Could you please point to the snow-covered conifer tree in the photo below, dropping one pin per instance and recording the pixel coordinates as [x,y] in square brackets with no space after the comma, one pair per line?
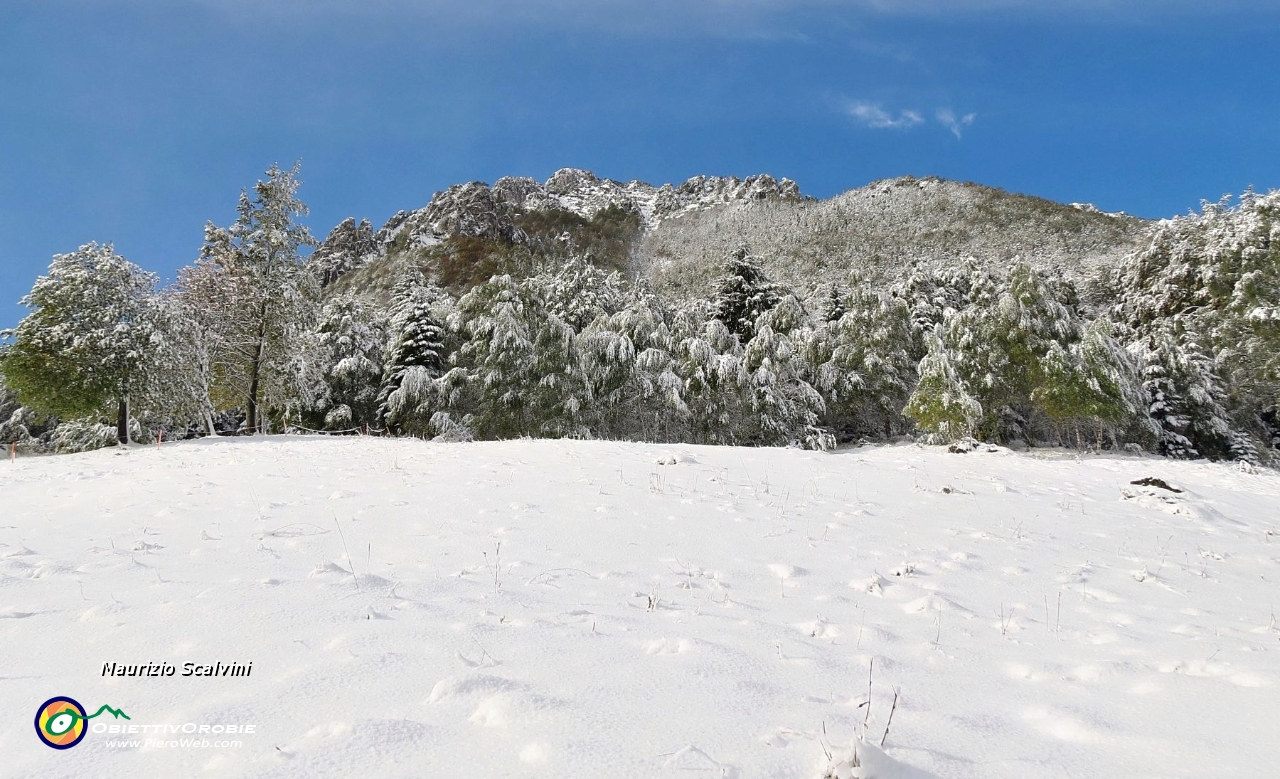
[521,373]
[780,406]
[862,363]
[1091,381]
[834,303]
[1214,278]
[707,358]
[743,293]
[339,364]
[416,358]
[941,404]
[579,292]
[1186,400]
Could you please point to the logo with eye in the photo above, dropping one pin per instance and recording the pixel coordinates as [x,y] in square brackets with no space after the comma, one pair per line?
[60,721]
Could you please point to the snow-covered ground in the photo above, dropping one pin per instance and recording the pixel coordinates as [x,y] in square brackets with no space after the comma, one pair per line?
[594,609]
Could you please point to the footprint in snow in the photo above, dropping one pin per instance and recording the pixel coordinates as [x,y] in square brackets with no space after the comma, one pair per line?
[931,604]
[668,646]
[455,687]
[819,629]
[784,571]
[872,586]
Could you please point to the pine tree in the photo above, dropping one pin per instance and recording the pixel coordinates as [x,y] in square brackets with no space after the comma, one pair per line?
[833,303]
[85,349]
[415,359]
[743,294]
[1186,400]
[1092,380]
[340,363]
[18,424]
[579,292]
[1019,354]
[941,403]
[276,294]
[517,361]
[780,406]
[707,358]
[1214,277]
[628,366]
[862,364]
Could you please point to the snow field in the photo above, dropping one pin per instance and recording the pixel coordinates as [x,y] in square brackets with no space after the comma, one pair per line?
[589,609]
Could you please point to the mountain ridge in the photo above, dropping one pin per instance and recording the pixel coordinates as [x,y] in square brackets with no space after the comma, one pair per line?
[677,235]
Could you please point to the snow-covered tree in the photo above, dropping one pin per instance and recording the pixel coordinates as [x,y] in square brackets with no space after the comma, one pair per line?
[579,292]
[834,303]
[862,363]
[1019,355]
[707,358]
[276,294]
[85,349]
[521,374]
[339,364]
[779,405]
[743,293]
[416,358]
[629,372]
[18,424]
[208,343]
[1092,381]
[930,294]
[1214,279]
[1187,400]
[941,404]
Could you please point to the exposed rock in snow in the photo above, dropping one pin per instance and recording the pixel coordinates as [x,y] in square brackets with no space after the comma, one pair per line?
[583,193]
[477,210]
[347,247]
[1090,208]
[467,210]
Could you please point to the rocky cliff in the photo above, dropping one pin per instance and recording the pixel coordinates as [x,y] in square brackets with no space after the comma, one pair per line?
[478,211]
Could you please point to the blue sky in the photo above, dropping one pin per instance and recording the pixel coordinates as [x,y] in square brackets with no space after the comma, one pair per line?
[135,121]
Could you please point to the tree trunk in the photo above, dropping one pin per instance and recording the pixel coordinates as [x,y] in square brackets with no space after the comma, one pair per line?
[255,369]
[251,421]
[122,421]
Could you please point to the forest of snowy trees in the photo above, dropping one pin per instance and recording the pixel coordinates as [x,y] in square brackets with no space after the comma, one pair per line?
[1177,349]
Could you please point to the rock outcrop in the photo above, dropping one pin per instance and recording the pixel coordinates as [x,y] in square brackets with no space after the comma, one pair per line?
[347,247]
[477,210]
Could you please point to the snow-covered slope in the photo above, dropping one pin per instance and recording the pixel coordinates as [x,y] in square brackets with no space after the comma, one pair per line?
[877,231]
[595,609]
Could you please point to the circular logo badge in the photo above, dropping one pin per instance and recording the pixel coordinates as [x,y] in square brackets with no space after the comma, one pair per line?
[60,722]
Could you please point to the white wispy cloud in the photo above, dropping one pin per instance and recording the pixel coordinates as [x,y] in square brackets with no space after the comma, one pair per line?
[877,117]
[956,124]
[873,116]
